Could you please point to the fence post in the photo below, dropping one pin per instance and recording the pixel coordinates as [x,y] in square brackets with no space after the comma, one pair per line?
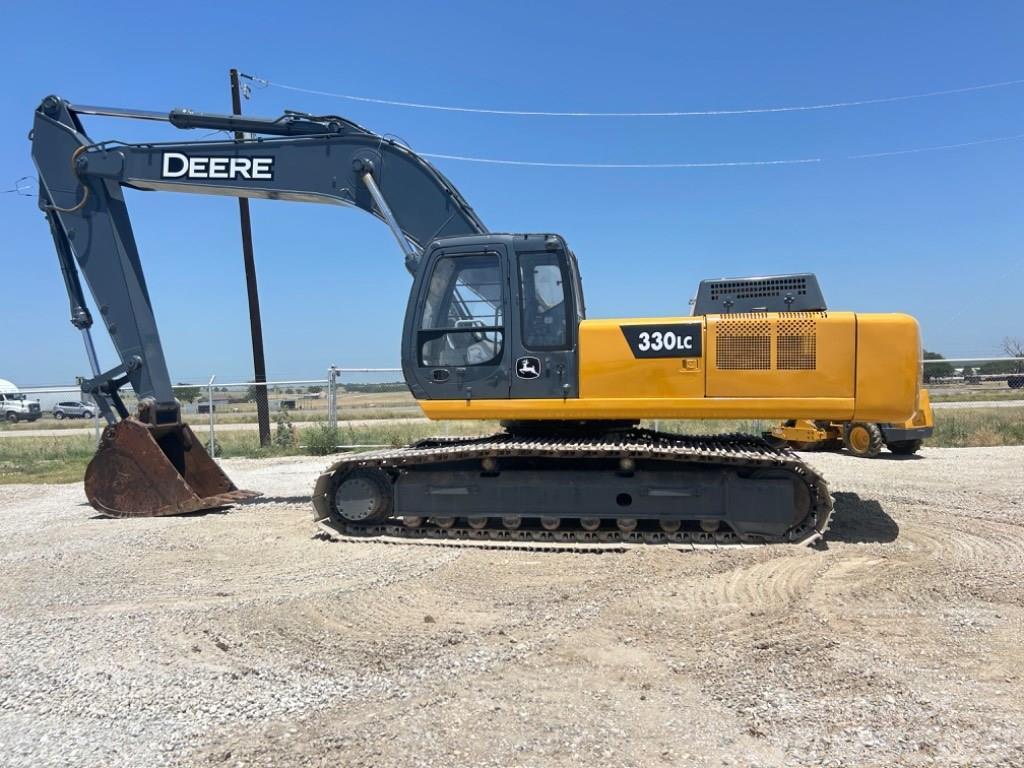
[213,436]
[332,397]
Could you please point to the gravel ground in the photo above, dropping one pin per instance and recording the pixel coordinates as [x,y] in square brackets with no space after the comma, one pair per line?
[239,639]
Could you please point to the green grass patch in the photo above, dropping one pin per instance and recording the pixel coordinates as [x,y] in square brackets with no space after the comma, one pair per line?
[63,459]
[977,396]
[45,459]
[977,427]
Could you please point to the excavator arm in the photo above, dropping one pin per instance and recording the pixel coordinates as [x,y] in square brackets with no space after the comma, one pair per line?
[306,158]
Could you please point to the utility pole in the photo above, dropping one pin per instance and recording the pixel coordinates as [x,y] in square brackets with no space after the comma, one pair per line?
[255,323]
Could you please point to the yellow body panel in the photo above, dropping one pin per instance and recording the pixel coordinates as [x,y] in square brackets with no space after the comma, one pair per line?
[887,378]
[837,366]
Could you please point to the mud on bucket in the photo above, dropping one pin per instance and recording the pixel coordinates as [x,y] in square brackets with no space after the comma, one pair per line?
[149,471]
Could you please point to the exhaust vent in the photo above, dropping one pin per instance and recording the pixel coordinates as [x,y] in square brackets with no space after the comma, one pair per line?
[771,293]
[764,288]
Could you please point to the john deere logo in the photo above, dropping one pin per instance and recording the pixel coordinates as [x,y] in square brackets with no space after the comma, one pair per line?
[528,367]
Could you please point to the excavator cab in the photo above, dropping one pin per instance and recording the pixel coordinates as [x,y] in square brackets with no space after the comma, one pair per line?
[494,317]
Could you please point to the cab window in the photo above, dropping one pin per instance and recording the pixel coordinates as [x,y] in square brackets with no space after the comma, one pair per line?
[543,292]
[464,314]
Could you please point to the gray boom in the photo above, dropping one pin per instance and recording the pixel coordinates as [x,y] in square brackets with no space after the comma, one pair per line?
[295,157]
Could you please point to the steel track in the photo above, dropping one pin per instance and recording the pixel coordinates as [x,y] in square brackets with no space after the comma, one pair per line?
[725,451]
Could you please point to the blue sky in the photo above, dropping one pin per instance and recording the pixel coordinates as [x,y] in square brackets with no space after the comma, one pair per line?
[936,234]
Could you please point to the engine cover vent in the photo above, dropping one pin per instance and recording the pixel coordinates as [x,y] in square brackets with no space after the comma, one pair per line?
[796,345]
[743,345]
[744,342]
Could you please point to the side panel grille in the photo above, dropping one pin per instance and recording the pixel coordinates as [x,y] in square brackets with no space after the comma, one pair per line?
[796,345]
[744,342]
[743,345]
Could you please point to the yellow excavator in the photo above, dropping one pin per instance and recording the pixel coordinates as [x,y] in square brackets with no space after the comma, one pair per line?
[495,328]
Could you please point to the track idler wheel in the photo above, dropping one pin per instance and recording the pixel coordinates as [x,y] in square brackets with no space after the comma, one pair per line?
[363,496]
[141,470]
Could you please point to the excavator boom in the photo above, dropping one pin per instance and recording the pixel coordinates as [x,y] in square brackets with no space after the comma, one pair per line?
[150,463]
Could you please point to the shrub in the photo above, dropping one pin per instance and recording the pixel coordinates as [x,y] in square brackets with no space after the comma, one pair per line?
[284,435]
[322,440]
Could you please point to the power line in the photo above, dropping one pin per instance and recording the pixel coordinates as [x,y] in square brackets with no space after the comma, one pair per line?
[728,164]
[22,186]
[262,82]
[538,163]
[937,148]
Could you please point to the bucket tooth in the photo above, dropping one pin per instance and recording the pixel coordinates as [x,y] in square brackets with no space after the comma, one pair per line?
[151,471]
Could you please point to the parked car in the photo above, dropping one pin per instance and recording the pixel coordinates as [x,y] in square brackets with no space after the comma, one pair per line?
[72,409]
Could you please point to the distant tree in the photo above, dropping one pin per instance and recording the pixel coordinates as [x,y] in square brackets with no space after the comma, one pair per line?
[934,371]
[1014,347]
[314,390]
[968,371]
[998,368]
[253,392]
[387,386]
[188,394]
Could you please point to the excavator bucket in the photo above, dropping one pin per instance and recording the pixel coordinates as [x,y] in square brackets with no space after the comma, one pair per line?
[150,471]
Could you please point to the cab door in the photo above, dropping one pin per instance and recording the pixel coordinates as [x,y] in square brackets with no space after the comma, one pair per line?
[545,325]
[457,338]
